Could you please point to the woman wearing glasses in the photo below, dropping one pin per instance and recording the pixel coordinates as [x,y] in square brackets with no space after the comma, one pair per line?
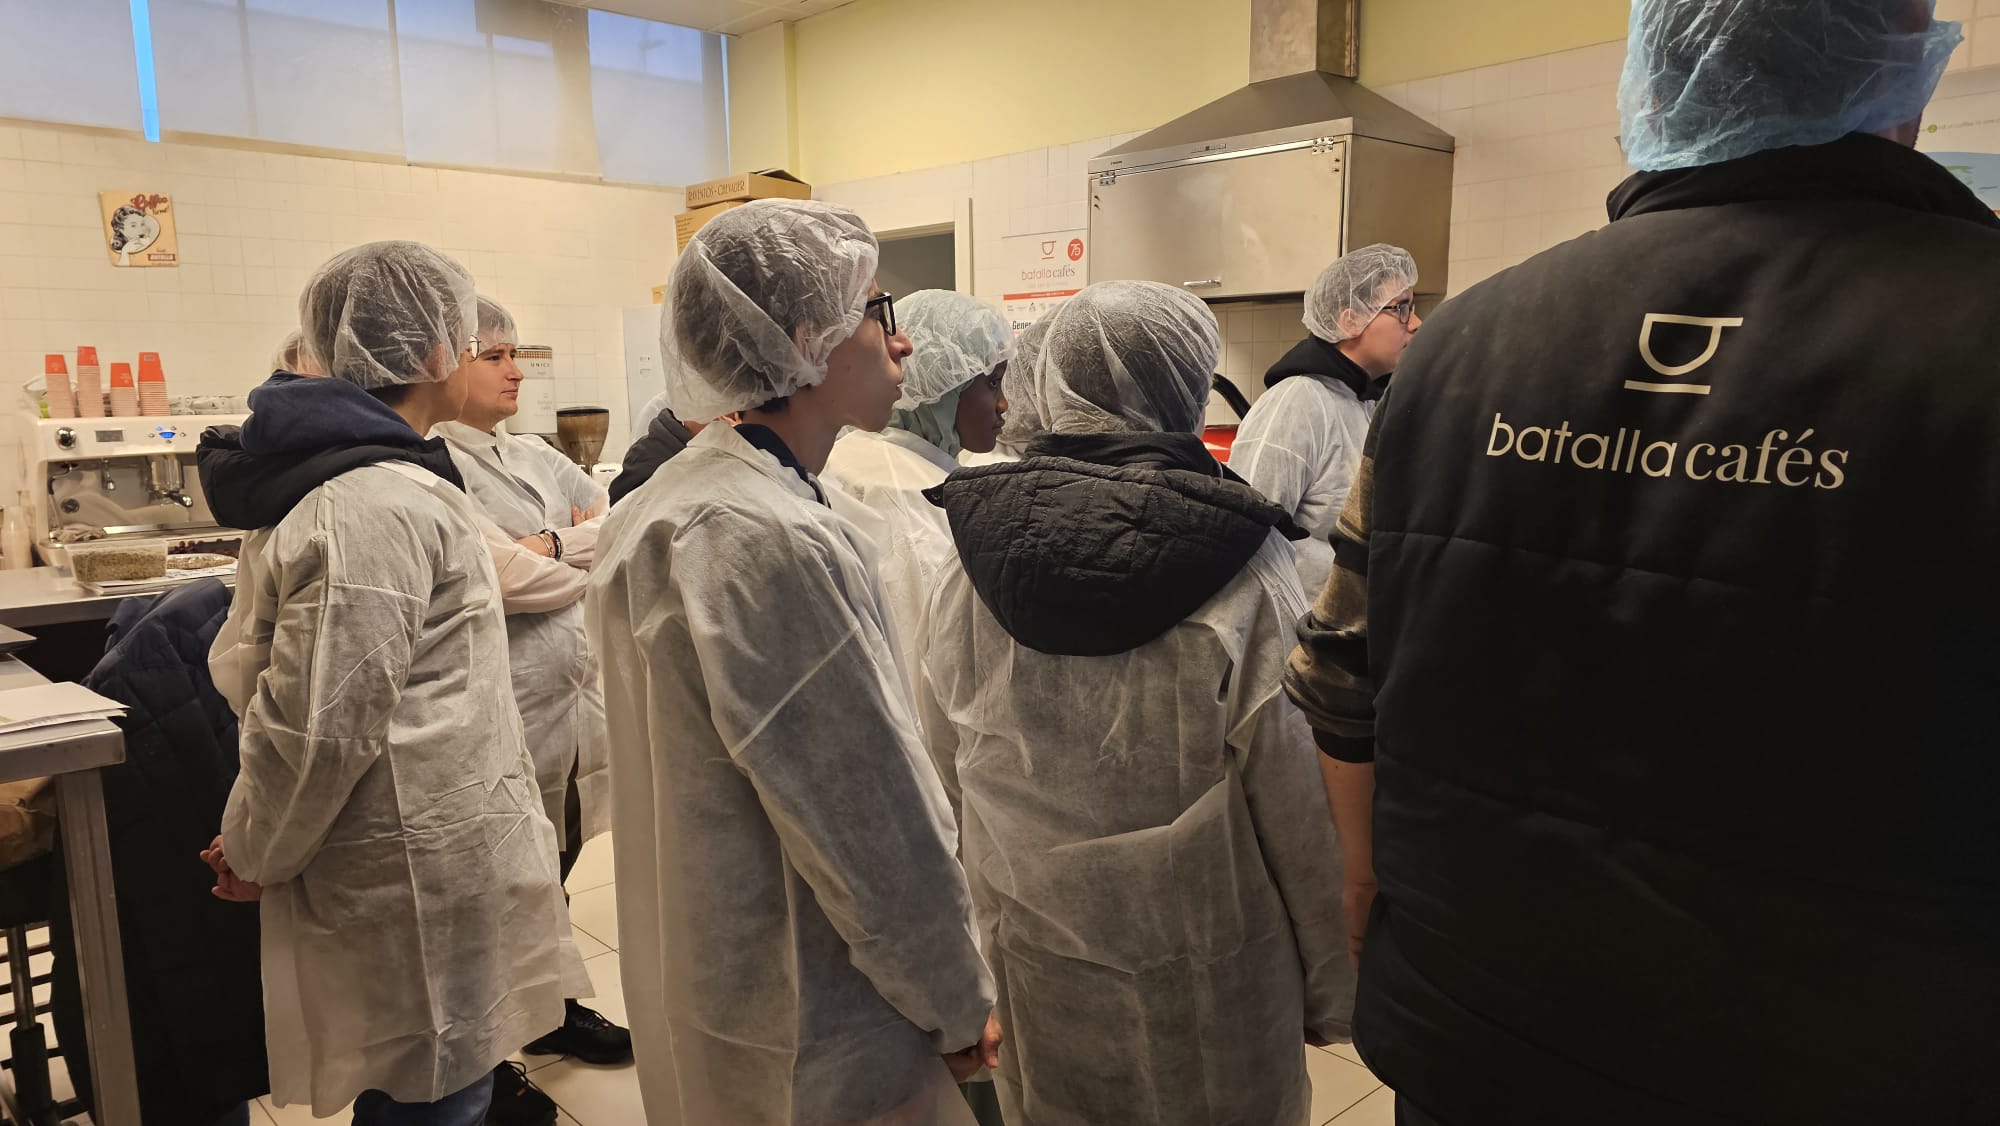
[1300,445]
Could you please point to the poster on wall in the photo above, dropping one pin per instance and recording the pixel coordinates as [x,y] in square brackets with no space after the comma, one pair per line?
[1043,271]
[139,228]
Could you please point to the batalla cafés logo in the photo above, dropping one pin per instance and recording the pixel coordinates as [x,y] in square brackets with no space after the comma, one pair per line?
[1780,457]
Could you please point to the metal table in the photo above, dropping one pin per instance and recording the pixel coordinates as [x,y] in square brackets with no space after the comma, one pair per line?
[73,754]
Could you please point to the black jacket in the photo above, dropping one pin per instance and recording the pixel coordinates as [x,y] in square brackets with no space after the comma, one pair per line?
[192,967]
[1687,645]
[1097,544]
[1313,356]
[664,437]
[301,433]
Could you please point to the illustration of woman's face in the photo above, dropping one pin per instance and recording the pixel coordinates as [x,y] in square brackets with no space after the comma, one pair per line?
[137,231]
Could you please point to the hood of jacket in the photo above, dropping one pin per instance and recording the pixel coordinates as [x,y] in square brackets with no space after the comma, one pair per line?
[1096,544]
[302,433]
[1315,357]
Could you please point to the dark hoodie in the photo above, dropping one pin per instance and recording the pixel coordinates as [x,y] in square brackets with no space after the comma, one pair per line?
[664,438]
[1097,544]
[302,433]
[1313,356]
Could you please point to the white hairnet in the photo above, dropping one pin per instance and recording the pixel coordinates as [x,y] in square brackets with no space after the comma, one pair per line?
[385,314]
[1127,356]
[1713,81]
[496,324]
[1024,414]
[759,299]
[1365,281]
[957,338]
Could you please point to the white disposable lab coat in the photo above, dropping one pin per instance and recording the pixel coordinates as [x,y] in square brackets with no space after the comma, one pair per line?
[888,471]
[796,930]
[1152,859]
[413,925]
[523,486]
[1300,446]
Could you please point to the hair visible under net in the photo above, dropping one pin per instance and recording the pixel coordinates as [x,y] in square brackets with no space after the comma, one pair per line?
[957,338]
[291,356]
[386,314]
[759,299]
[1127,356]
[1712,81]
[495,324]
[1363,282]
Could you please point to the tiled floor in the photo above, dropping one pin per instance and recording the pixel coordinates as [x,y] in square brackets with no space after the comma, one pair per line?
[1344,1092]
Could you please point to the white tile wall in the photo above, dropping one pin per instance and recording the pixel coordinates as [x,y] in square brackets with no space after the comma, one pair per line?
[563,257]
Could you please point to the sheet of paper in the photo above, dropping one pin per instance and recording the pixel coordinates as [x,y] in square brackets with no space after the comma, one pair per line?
[47,705]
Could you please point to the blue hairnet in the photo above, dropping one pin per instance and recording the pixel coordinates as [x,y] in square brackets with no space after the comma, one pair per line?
[1712,80]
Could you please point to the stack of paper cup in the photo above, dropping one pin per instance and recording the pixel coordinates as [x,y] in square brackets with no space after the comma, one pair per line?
[152,385]
[124,392]
[62,396]
[89,384]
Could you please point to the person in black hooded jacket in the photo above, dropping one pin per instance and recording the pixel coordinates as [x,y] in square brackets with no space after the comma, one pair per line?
[191,963]
[1663,644]
[665,436]
[1144,825]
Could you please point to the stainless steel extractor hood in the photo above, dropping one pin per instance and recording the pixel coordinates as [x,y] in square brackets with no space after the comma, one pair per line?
[1254,193]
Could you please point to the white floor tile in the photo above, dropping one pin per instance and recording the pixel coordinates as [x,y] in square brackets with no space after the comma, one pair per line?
[593,866]
[1344,1051]
[595,913]
[259,1116]
[1378,1109]
[600,1096]
[1337,1084]
[586,946]
[610,983]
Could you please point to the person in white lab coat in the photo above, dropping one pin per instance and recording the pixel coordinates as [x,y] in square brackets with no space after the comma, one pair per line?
[1300,445]
[413,927]
[951,401]
[1149,843]
[789,895]
[1022,422]
[542,515]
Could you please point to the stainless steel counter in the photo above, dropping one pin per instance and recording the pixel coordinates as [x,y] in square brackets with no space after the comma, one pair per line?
[73,753]
[44,596]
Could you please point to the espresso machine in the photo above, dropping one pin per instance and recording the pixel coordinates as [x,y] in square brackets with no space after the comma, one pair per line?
[109,479]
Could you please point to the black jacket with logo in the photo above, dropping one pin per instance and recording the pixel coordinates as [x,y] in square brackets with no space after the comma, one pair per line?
[1683,614]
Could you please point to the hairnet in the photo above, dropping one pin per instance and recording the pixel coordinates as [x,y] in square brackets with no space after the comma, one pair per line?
[1363,281]
[759,299]
[378,315]
[291,356]
[1713,81]
[496,324]
[957,338]
[1024,414]
[1127,356]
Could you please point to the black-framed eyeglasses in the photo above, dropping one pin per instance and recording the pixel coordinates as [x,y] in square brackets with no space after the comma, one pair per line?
[1402,310]
[882,307]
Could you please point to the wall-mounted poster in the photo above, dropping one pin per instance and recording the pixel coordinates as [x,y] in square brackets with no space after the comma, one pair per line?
[1043,271]
[139,228]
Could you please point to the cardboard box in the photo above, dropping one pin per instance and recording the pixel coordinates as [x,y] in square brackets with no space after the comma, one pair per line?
[771,183]
[688,222]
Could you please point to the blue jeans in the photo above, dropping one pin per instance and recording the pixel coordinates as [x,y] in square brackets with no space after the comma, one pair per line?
[466,1108]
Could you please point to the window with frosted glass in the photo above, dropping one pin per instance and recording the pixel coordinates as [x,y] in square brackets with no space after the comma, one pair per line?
[70,62]
[657,93]
[497,84]
[303,72]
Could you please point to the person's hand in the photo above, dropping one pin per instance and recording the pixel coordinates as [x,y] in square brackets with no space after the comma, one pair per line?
[228,885]
[576,516]
[966,1064]
[1357,898]
[539,544]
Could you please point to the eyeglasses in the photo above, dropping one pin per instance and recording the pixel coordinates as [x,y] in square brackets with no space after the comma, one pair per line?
[1402,310]
[882,307]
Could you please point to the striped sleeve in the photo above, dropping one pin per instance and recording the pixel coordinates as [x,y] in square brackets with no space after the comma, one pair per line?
[1328,675]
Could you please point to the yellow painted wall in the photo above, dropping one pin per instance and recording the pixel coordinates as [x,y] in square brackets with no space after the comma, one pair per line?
[891,85]
[763,100]
[882,86]
[1405,39]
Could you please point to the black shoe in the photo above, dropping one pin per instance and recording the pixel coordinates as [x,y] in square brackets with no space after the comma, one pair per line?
[517,1102]
[587,1036]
